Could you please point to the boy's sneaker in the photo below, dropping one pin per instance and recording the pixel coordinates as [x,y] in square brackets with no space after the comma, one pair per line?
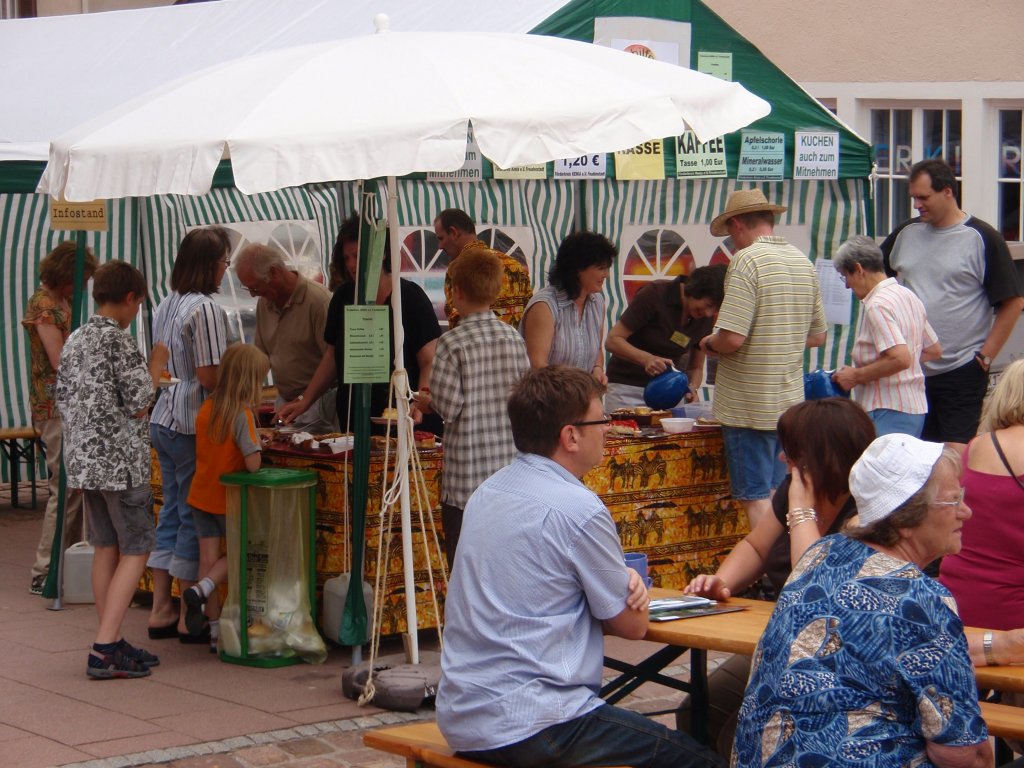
[38,582]
[115,665]
[140,655]
[195,621]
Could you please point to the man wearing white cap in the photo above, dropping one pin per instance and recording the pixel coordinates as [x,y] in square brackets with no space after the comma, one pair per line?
[772,311]
[865,661]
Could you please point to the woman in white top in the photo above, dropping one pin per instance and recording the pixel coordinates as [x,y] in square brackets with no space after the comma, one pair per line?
[564,323]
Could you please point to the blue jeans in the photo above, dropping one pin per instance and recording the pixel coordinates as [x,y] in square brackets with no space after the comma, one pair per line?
[888,422]
[177,549]
[606,735]
[753,459]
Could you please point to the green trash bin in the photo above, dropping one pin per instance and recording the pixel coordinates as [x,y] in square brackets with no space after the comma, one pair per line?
[269,616]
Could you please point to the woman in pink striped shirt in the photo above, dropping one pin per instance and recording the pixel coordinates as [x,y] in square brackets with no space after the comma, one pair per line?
[893,339]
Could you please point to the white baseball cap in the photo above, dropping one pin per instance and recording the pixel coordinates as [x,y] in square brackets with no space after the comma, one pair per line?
[891,470]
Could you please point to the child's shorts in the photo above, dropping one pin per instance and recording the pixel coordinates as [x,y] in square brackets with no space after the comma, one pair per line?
[122,519]
[208,525]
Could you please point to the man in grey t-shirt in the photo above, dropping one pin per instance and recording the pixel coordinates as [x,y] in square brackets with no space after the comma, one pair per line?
[961,269]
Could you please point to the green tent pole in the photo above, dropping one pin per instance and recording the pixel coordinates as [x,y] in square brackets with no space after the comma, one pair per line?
[50,590]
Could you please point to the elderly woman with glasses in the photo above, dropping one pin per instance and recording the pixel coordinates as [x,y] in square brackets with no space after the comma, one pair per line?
[865,661]
[893,339]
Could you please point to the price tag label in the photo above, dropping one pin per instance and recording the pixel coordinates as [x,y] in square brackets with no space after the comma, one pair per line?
[583,167]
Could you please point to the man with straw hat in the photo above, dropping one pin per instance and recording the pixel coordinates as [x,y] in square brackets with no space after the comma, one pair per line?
[771,312]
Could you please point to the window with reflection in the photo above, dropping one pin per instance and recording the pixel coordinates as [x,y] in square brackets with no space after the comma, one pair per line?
[1010,179]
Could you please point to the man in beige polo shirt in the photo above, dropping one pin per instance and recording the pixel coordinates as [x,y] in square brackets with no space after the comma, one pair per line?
[290,317]
[772,311]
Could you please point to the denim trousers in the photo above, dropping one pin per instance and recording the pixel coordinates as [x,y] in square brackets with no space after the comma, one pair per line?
[606,735]
[177,548]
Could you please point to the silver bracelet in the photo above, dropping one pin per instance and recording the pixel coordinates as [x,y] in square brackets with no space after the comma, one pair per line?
[986,646]
[800,515]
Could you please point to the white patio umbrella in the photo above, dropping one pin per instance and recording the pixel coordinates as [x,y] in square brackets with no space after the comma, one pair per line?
[388,105]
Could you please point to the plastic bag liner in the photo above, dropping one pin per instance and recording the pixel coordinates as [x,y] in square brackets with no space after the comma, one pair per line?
[279,613]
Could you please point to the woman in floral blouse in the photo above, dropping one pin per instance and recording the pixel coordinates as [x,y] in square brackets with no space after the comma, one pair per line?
[48,323]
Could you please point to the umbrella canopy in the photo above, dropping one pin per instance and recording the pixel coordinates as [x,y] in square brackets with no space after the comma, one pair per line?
[396,103]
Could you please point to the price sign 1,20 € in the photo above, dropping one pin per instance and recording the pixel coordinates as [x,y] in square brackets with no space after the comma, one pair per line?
[583,167]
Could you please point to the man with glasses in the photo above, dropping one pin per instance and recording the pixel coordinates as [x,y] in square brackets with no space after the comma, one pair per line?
[290,316]
[538,576]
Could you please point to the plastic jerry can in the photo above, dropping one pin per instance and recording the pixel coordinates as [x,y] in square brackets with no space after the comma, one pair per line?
[335,593]
[78,573]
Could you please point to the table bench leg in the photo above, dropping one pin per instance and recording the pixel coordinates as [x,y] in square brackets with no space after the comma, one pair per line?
[699,698]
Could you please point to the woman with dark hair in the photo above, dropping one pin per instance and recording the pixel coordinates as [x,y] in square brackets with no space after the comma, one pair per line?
[194,328]
[47,322]
[564,322]
[864,660]
[662,327]
[821,439]
[345,254]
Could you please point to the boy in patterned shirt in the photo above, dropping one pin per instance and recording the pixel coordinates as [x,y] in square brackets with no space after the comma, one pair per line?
[475,367]
[104,390]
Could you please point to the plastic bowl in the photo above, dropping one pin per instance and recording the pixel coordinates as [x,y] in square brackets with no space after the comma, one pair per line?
[676,426]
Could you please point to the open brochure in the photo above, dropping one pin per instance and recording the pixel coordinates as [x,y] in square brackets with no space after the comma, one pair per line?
[687,607]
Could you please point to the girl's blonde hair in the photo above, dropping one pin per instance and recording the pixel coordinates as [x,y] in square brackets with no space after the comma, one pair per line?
[1005,407]
[240,377]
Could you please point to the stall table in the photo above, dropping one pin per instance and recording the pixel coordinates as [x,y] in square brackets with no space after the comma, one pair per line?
[668,494]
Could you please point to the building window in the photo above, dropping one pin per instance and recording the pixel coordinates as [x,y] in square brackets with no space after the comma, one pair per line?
[1011,215]
[891,137]
[902,137]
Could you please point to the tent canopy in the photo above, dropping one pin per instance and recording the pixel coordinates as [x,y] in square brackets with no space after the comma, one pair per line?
[59,72]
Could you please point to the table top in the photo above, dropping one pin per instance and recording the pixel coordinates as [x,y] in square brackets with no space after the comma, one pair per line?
[739,632]
[730,632]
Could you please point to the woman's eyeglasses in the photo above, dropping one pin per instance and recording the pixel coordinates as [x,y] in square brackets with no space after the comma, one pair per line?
[955,503]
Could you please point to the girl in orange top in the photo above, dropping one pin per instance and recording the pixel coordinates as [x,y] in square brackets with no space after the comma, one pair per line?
[226,441]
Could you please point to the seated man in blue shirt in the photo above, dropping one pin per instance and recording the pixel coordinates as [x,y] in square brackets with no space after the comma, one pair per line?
[538,576]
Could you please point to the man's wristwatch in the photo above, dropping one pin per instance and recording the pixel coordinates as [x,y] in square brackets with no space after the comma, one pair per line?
[984,360]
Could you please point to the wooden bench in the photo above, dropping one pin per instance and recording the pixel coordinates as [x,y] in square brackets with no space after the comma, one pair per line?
[1004,722]
[11,444]
[421,744]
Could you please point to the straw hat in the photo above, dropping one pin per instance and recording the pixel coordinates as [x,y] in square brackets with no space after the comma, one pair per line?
[739,202]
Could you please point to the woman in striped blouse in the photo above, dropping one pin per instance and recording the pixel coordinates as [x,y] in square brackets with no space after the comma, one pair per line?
[194,328]
[893,339]
[564,323]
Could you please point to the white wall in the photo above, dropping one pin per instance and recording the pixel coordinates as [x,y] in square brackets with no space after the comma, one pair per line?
[868,54]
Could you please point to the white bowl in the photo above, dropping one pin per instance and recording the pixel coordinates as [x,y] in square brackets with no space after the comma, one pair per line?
[678,425]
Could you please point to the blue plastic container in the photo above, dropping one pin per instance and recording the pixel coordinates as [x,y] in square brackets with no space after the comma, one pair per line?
[666,389]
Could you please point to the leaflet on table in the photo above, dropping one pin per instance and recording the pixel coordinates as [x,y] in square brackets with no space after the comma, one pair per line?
[692,613]
[682,601]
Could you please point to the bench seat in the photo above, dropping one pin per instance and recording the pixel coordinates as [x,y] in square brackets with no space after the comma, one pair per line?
[422,746]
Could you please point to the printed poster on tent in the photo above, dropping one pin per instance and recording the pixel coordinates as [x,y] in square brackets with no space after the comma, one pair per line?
[762,156]
[816,156]
[696,160]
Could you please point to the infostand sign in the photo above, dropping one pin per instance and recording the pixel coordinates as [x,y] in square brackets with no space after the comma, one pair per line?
[79,218]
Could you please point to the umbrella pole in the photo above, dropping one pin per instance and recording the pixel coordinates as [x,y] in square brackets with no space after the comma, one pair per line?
[402,404]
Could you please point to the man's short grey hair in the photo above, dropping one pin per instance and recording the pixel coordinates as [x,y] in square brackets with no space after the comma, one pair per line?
[261,258]
[859,249]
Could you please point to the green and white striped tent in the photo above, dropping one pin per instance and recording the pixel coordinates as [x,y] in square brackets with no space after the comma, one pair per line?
[660,225]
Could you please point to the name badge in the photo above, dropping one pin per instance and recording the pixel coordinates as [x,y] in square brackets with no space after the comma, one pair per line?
[680,339]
